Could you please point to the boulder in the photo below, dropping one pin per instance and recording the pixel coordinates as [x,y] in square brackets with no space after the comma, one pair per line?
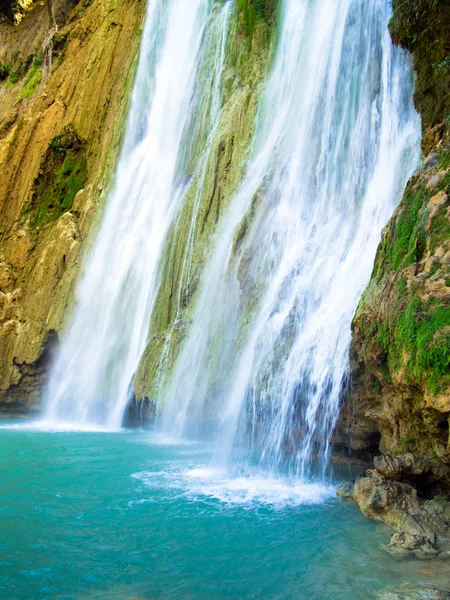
[346,490]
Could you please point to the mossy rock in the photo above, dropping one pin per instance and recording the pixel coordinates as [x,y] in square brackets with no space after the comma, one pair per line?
[62,175]
[33,79]
[423,28]
[252,11]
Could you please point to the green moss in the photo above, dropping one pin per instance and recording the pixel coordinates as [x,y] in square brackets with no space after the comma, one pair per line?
[439,230]
[434,269]
[408,242]
[63,174]
[59,48]
[5,70]
[251,11]
[17,68]
[406,441]
[383,335]
[33,79]
[377,386]
[402,284]
[69,179]
[423,332]
[444,158]
[417,341]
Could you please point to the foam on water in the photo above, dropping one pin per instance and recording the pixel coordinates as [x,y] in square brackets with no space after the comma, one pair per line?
[248,489]
[52,426]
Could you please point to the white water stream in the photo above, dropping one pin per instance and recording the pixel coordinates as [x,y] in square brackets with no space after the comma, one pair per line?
[91,379]
[265,359]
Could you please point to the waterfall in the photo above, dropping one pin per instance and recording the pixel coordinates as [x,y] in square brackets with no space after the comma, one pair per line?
[92,375]
[265,361]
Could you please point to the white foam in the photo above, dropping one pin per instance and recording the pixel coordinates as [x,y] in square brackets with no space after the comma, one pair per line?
[51,426]
[252,489]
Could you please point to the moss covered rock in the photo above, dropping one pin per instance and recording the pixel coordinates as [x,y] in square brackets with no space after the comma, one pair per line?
[423,28]
[401,332]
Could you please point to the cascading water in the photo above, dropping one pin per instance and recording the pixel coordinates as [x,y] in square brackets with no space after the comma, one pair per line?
[91,378]
[266,357]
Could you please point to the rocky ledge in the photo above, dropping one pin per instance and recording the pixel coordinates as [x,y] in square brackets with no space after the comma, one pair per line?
[408,492]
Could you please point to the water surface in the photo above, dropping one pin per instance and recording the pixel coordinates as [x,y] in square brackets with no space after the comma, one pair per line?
[130,515]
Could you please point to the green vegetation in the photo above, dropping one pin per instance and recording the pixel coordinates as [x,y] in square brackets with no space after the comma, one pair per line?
[416,337]
[419,340]
[8,10]
[63,174]
[408,243]
[421,332]
[69,179]
[377,386]
[406,441]
[59,48]
[33,79]
[16,69]
[253,10]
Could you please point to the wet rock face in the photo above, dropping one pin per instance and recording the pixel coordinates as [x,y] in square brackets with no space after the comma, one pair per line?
[428,475]
[423,28]
[139,414]
[247,55]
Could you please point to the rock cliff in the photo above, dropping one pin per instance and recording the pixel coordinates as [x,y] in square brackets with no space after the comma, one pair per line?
[247,57]
[400,395]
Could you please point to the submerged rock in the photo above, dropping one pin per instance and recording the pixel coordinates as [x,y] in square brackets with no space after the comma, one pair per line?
[405,544]
[415,593]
